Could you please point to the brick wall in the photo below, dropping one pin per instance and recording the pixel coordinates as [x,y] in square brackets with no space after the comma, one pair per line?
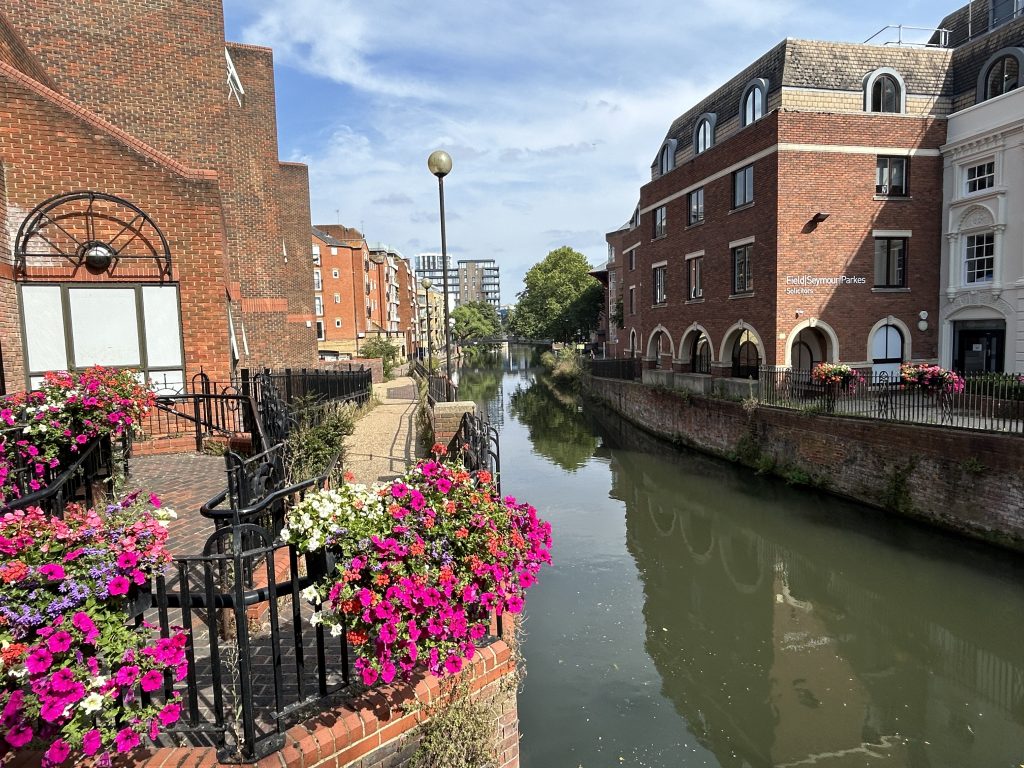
[448,417]
[50,147]
[376,729]
[924,472]
[295,281]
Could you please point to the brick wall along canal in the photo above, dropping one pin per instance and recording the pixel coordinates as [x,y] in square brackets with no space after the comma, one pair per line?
[699,615]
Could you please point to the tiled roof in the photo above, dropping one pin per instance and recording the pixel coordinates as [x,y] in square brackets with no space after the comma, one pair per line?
[321,235]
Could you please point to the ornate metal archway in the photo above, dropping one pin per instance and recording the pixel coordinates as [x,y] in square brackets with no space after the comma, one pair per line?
[92,231]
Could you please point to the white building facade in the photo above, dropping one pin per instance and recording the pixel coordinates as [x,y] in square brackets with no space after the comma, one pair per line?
[982,304]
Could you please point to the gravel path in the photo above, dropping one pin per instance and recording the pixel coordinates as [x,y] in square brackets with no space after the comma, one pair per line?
[384,442]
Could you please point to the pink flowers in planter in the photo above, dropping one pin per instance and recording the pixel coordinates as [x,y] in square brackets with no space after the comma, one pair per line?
[72,669]
[931,377]
[427,559]
[65,413]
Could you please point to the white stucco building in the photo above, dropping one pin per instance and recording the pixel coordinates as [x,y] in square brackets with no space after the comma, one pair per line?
[982,304]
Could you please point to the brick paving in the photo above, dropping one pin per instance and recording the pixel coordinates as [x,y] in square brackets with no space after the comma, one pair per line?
[184,482]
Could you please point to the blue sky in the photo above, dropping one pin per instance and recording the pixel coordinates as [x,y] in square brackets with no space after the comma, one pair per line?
[552,111]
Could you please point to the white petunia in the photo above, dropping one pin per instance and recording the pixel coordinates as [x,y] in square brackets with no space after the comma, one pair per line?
[92,703]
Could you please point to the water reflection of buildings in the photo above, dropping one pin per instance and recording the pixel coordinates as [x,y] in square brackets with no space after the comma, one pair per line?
[784,644]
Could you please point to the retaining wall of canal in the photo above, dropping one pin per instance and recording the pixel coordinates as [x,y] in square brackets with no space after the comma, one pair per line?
[969,482]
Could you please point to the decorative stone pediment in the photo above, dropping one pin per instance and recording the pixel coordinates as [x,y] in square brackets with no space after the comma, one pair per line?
[977,217]
[984,298]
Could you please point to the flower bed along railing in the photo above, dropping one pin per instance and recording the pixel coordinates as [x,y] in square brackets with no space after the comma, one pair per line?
[916,394]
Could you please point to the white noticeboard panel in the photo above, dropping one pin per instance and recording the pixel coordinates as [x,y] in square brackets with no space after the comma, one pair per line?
[105,328]
[163,329]
[44,328]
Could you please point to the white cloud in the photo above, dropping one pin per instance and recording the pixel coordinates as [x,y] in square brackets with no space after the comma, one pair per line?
[552,111]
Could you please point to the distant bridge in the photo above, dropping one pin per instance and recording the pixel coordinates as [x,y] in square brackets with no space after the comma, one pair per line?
[499,340]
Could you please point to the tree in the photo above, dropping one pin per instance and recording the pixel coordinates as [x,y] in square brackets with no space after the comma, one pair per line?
[475,320]
[561,300]
[385,350]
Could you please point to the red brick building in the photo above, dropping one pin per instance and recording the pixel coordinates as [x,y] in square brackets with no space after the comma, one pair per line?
[149,221]
[792,217]
[341,263]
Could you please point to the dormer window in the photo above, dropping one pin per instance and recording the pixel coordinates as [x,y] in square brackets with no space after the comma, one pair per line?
[667,157]
[704,133]
[635,221]
[1000,74]
[755,95]
[885,92]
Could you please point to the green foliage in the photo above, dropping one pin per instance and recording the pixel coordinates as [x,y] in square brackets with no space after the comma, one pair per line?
[557,430]
[386,350]
[972,466]
[318,438]
[561,300]
[896,496]
[475,320]
[618,318]
[459,734]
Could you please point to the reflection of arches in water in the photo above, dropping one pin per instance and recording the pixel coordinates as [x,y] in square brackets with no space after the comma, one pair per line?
[657,511]
[742,564]
[698,534]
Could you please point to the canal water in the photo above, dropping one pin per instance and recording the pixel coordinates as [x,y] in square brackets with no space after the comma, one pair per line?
[700,615]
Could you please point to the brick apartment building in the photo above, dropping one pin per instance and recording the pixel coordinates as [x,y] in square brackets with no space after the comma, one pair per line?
[148,220]
[795,215]
[361,291]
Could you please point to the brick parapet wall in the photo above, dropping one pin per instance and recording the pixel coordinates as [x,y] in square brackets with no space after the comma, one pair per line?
[929,473]
[448,417]
[377,729]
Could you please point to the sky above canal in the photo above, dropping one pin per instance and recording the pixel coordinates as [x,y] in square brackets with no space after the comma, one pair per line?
[552,111]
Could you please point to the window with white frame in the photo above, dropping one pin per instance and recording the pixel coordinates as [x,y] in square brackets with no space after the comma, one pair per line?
[318,305]
[694,267]
[660,278]
[335,274]
[696,201]
[611,253]
[337,322]
[703,136]
[979,258]
[337,298]
[321,335]
[318,282]
[334,250]
[660,221]
[316,255]
[979,177]
[754,98]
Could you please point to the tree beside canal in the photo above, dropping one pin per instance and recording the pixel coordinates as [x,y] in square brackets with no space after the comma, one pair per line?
[561,299]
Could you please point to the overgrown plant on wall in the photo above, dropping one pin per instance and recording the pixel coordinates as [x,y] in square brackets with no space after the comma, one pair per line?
[386,350]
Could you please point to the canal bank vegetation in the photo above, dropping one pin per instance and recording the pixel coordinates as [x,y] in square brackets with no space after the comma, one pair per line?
[565,367]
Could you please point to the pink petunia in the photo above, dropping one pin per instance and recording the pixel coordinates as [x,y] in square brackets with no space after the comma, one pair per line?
[127,560]
[52,571]
[20,735]
[58,642]
[170,714]
[151,681]
[369,675]
[91,742]
[38,661]
[119,585]
[126,740]
[58,752]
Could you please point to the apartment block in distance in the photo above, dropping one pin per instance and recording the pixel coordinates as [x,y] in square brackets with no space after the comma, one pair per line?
[148,220]
[795,215]
[479,280]
[430,266]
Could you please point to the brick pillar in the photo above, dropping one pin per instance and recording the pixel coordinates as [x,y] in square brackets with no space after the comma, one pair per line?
[448,416]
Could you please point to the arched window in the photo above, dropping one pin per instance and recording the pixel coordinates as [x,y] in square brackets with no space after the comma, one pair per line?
[700,355]
[885,95]
[704,133]
[745,358]
[667,157]
[886,352]
[885,91]
[1002,77]
[755,95]
[632,343]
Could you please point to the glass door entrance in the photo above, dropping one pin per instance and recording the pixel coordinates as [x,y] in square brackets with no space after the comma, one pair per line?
[978,346]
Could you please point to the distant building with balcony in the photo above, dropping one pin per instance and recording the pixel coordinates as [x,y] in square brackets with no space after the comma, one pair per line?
[430,265]
[479,280]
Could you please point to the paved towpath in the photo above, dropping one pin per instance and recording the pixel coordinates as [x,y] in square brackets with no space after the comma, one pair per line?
[385,439]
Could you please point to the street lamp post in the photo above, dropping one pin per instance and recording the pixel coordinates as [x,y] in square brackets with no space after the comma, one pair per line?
[440,164]
[425,282]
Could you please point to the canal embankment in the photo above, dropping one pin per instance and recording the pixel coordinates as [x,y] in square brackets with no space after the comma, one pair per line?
[970,482]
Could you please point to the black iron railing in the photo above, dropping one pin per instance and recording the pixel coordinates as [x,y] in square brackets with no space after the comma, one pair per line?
[627,368]
[987,401]
[82,477]
[308,386]
[476,442]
